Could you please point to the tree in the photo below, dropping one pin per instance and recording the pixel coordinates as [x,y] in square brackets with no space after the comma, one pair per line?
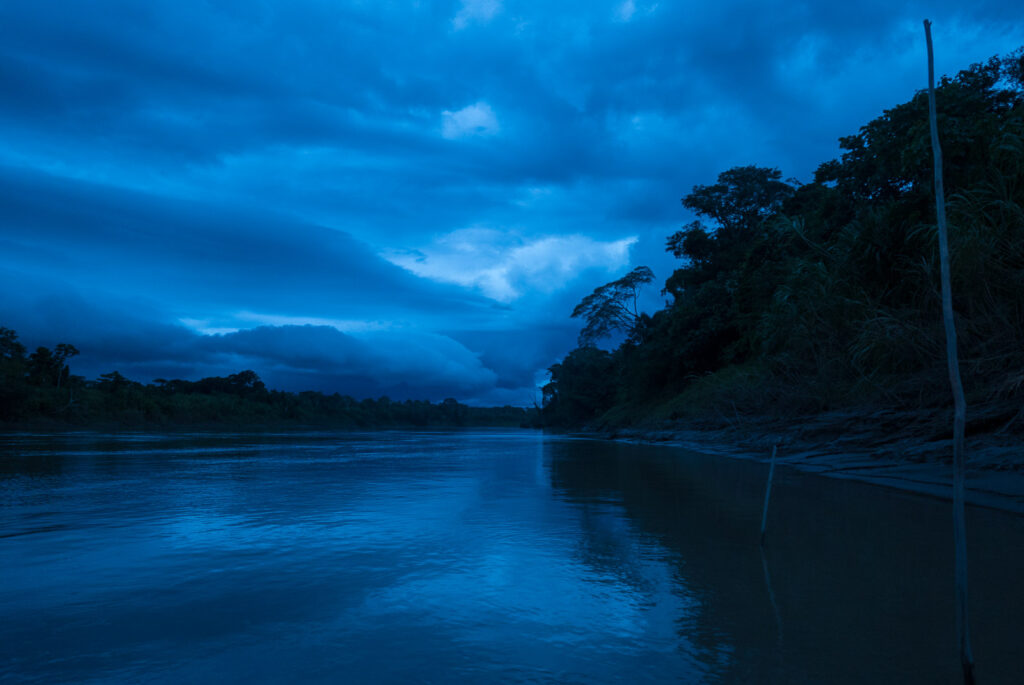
[736,207]
[42,367]
[46,366]
[582,387]
[1012,67]
[13,389]
[10,348]
[61,354]
[246,383]
[742,198]
[12,355]
[693,243]
[113,382]
[612,307]
[452,412]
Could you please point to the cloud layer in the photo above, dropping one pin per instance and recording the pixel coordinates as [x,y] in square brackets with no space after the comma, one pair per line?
[504,266]
[211,171]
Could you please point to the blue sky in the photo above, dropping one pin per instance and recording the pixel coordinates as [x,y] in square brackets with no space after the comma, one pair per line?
[402,198]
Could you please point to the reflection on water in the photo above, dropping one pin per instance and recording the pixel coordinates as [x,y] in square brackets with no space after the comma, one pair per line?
[475,556]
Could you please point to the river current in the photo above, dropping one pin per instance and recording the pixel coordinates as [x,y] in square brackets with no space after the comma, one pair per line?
[478,556]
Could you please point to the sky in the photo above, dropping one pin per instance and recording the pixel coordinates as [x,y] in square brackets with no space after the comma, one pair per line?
[402,198]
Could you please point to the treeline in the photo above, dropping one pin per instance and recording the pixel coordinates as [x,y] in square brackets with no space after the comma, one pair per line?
[825,295]
[39,388]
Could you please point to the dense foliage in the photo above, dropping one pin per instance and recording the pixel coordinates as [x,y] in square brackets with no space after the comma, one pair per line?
[825,295]
[39,387]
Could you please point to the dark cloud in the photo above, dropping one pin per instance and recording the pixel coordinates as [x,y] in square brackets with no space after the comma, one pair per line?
[233,164]
[205,258]
[400,364]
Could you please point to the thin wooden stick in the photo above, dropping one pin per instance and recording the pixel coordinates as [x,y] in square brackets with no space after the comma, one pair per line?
[771,599]
[959,403]
[768,494]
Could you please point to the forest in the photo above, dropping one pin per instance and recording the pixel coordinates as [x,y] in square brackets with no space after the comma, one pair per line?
[800,298]
[38,389]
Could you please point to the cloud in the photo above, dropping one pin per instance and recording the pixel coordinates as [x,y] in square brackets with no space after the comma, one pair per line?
[401,364]
[343,325]
[477,119]
[240,164]
[406,363]
[504,265]
[517,358]
[480,11]
[205,260]
[626,10]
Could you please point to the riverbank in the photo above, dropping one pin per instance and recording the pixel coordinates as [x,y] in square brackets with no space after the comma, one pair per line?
[907,451]
[228,428]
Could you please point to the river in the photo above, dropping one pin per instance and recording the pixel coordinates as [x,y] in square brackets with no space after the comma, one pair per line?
[477,556]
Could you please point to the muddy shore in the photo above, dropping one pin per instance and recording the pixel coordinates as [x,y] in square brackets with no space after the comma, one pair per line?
[893,449]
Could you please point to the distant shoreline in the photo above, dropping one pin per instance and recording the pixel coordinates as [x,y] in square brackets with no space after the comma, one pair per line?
[59,428]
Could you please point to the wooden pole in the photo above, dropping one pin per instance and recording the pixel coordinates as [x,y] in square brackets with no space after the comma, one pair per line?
[768,494]
[771,600]
[959,403]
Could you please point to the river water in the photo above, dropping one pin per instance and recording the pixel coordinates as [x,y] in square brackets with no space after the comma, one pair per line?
[476,557]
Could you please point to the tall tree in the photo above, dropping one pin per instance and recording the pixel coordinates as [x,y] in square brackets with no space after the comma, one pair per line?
[732,212]
[42,367]
[582,387]
[61,354]
[612,307]
[742,197]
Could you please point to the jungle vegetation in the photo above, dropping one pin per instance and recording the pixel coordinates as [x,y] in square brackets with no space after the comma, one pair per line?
[38,389]
[808,297]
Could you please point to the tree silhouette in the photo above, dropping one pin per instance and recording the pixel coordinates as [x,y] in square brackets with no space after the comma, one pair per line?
[61,354]
[612,307]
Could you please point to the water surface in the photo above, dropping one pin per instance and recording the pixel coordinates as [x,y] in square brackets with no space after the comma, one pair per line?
[476,557]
